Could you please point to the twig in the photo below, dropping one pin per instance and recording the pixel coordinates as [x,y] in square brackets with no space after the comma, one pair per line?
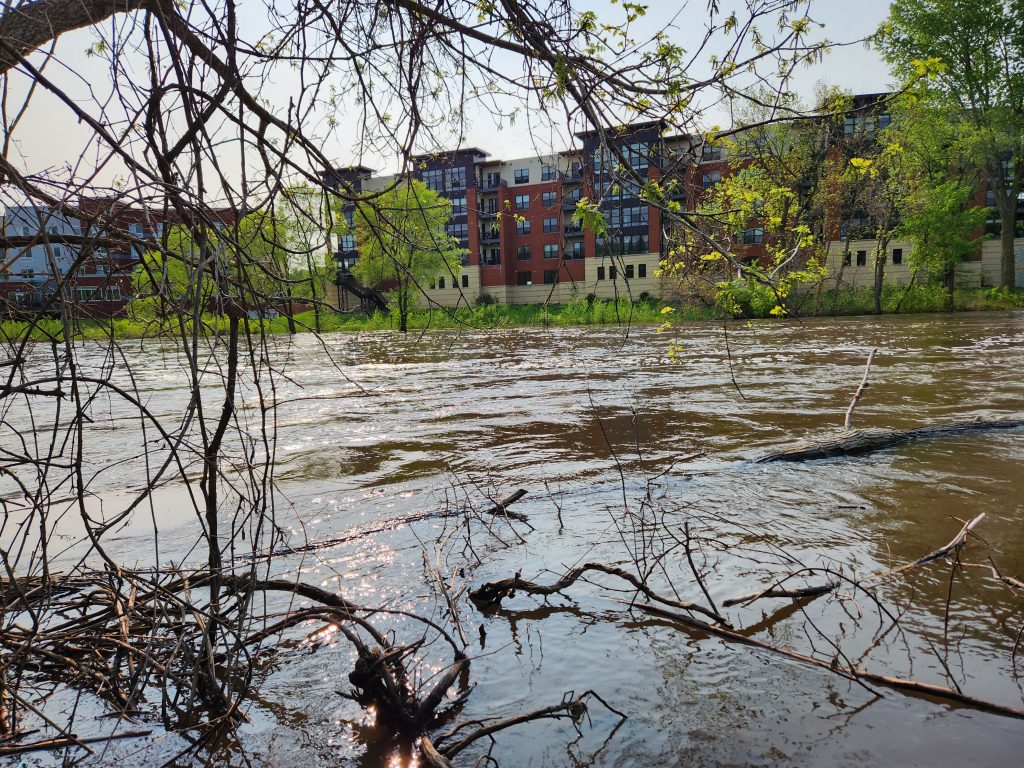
[860,391]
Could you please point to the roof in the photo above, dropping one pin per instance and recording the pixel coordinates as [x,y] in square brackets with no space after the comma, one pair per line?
[461,151]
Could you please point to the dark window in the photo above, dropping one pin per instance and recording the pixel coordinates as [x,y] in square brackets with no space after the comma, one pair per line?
[709,154]
[523,253]
[575,250]
[440,283]
[457,178]
[458,230]
[465,281]
[600,273]
[524,278]
[629,271]
[550,251]
[523,227]
[862,258]
[846,259]
[548,199]
[522,175]
[641,270]
[522,202]
[547,173]
[550,276]
[434,179]
[492,256]
[492,205]
[551,225]
[493,179]
[710,179]
[753,236]
[634,244]
[611,273]
[458,205]
[897,255]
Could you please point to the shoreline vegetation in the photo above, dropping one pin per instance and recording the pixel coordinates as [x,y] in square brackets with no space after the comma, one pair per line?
[580,312]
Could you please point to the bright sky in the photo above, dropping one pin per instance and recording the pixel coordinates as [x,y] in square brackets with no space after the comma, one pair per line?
[50,138]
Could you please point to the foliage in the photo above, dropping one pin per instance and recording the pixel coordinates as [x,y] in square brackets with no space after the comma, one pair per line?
[972,51]
[403,242]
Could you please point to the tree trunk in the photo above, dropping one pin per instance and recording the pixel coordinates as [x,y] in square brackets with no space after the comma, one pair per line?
[950,280]
[880,250]
[1007,224]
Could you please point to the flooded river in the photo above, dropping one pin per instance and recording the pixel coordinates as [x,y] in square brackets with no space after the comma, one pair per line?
[617,444]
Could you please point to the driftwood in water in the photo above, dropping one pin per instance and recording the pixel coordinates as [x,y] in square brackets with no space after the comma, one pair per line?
[852,442]
[492,593]
[778,591]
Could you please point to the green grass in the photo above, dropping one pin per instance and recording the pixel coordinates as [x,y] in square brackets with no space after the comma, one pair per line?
[923,298]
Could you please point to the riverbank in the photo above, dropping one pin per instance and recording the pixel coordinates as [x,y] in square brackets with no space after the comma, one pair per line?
[850,302]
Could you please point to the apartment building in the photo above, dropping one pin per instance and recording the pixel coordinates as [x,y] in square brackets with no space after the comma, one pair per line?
[90,260]
[514,217]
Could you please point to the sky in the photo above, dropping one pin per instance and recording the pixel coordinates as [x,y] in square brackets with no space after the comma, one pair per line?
[49,138]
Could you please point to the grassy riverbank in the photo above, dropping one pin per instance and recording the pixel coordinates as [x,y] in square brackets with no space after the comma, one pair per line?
[578,313]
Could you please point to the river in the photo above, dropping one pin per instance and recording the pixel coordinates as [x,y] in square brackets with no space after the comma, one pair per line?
[615,443]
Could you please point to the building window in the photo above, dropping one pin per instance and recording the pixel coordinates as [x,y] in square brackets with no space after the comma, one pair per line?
[551,251]
[524,278]
[440,283]
[547,199]
[897,255]
[460,231]
[634,244]
[846,259]
[350,217]
[457,178]
[550,276]
[522,202]
[635,216]
[548,173]
[348,242]
[611,273]
[862,258]
[629,271]
[753,236]
[710,179]
[523,253]
[641,270]
[434,179]
[465,281]
[551,224]
[523,227]
[458,205]
[492,257]
[28,274]
[600,273]
[522,175]
[575,250]
[710,154]
[493,180]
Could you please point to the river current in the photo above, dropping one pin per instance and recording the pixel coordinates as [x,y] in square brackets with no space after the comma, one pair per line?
[602,428]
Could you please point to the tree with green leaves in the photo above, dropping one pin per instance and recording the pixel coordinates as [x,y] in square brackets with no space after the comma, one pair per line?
[973,51]
[939,216]
[403,243]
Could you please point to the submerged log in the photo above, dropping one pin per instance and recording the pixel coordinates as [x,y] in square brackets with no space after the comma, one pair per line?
[852,442]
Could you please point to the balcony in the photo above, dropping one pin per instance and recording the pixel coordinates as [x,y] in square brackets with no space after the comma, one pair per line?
[487,214]
[490,236]
[569,203]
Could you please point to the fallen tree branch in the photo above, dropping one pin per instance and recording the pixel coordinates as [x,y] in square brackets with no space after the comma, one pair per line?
[851,673]
[854,442]
[492,593]
[860,391]
[777,591]
[60,743]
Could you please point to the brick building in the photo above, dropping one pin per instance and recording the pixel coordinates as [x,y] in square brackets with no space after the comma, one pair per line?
[514,217]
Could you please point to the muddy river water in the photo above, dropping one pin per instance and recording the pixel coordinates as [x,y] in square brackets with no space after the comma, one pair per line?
[603,429]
